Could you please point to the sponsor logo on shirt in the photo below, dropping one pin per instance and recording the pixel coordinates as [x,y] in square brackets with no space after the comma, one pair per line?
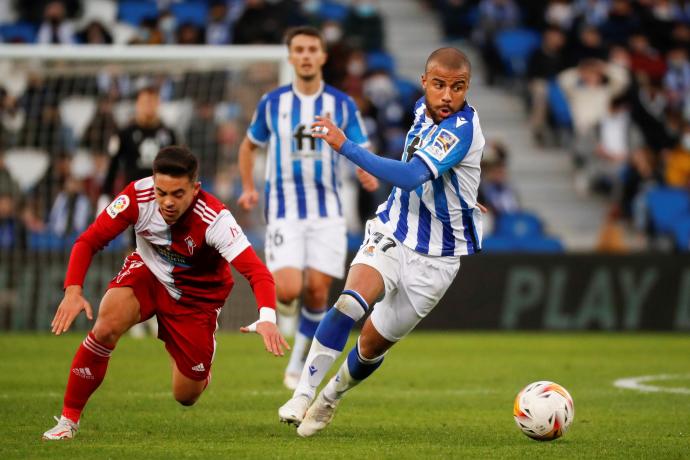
[171,256]
[443,144]
[117,206]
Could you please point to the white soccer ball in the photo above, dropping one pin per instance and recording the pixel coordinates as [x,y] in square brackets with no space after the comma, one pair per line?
[544,410]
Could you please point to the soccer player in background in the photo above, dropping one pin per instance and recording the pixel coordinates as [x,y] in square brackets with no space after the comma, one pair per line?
[180,272]
[132,151]
[306,233]
[411,250]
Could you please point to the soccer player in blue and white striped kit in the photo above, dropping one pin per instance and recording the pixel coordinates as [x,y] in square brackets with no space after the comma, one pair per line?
[412,248]
[306,233]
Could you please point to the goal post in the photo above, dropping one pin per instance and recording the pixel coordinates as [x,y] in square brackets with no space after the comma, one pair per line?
[62,105]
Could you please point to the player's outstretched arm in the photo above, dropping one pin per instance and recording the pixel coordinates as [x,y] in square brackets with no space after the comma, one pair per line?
[72,304]
[407,176]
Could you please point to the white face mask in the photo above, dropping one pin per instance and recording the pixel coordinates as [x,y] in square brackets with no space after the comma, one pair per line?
[356,68]
[332,34]
[686,141]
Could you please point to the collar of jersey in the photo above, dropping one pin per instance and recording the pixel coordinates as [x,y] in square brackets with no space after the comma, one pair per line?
[308,96]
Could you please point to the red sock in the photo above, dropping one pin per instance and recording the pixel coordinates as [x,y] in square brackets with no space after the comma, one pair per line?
[87,372]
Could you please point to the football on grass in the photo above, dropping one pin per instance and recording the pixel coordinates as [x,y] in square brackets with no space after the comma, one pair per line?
[544,410]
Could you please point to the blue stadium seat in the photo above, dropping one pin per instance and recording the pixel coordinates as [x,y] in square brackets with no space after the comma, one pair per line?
[133,12]
[666,205]
[333,11]
[558,106]
[515,47]
[495,243]
[521,224]
[47,241]
[20,32]
[190,13]
[681,233]
[380,60]
[544,244]
[533,244]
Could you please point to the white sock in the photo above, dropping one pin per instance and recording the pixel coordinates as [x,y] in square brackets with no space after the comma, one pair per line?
[298,354]
[318,362]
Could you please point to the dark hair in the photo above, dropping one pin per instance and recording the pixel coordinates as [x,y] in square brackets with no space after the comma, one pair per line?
[176,161]
[304,30]
[451,58]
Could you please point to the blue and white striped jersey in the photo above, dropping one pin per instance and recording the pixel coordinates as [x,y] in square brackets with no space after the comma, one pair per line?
[302,179]
[440,217]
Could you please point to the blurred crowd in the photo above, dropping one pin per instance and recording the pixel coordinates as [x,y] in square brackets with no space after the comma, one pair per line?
[607,79]
[76,133]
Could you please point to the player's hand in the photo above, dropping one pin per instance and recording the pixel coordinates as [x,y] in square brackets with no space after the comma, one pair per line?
[273,340]
[70,307]
[369,182]
[248,199]
[324,128]
[482,208]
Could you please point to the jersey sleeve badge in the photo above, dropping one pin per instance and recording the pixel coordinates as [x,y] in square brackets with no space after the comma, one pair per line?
[117,206]
[443,144]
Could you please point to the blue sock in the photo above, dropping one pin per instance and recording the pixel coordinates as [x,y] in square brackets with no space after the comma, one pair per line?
[308,321]
[334,329]
[359,367]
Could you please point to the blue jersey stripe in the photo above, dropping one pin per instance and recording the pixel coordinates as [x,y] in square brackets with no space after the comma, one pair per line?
[318,164]
[267,198]
[297,162]
[424,229]
[385,214]
[401,230]
[279,169]
[338,117]
[467,222]
[442,214]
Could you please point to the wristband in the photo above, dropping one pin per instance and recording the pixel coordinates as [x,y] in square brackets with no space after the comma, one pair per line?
[267,314]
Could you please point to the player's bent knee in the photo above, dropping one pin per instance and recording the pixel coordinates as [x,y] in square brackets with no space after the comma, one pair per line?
[187,398]
[316,296]
[352,304]
[106,333]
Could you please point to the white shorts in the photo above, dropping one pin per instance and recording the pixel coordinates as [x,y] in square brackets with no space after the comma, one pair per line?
[320,244]
[414,282]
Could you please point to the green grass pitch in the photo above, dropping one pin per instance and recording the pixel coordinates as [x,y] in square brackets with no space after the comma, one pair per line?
[437,395]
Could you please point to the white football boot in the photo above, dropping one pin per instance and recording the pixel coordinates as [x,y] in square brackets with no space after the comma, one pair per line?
[292,412]
[65,429]
[318,416]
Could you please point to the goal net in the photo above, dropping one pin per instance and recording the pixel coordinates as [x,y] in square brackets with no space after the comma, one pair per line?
[61,108]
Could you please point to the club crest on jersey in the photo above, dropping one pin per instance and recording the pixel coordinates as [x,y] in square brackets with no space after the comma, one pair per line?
[444,143]
[117,206]
[190,244]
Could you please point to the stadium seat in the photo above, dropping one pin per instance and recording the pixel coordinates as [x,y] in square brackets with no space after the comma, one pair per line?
[519,225]
[666,205]
[332,11]
[190,13]
[20,32]
[681,233]
[133,12]
[515,47]
[76,113]
[26,166]
[532,244]
[177,114]
[558,106]
[380,60]
[104,11]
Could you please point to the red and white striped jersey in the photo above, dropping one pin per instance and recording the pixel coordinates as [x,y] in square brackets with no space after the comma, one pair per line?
[190,258]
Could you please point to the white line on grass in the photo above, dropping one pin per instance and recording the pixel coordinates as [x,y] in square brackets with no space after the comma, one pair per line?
[639,383]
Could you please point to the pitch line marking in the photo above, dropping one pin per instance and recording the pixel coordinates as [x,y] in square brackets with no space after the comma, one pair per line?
[640,383]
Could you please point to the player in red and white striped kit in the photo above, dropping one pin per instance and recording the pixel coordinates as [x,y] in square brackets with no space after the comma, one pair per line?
[180,272]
